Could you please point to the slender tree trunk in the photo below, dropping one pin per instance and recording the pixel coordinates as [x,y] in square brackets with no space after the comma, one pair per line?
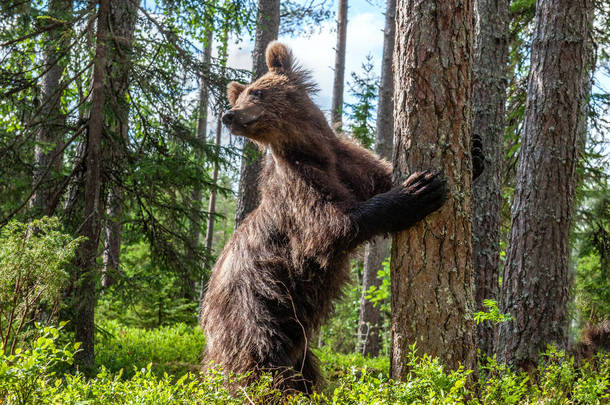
[85,262]
[536,279]
[50,136]
[488,100]
[202,129]
[267,27]
[209,234]
[71,197]
[377,250]
[123,17]
[336,112]
[431,265]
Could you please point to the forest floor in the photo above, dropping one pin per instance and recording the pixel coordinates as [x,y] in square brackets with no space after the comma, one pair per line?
[161,366]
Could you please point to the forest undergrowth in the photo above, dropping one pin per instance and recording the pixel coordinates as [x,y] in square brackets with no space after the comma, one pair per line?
[161,366]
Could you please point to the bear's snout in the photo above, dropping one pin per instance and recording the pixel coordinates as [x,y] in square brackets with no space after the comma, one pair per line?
[227,118]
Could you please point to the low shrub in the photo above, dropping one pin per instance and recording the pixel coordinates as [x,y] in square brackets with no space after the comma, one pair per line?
[33,260]
[174,350]
[29,376]
[32,377]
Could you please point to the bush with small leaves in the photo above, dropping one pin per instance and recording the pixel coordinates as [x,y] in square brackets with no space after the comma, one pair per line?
[32,273]
[29,376]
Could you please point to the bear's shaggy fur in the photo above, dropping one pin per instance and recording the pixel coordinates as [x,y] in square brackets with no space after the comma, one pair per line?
[320,196]
[594,339]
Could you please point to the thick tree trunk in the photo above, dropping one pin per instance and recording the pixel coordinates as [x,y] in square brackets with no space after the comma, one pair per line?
[377,250]
[267,27]
[488,100]
[49,139]
[85,262]
[536,279]
[336,112]
[123,17]
[431,265]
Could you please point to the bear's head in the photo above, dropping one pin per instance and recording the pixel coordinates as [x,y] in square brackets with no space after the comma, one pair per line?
[277,105]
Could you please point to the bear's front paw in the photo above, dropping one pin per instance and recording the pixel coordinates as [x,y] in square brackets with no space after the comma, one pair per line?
[428,190]
[478,157]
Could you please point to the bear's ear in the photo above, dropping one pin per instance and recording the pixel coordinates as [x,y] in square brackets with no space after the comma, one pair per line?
[279,58]
[234,89]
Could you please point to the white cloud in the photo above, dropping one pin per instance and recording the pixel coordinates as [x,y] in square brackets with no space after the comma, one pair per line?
[317,52]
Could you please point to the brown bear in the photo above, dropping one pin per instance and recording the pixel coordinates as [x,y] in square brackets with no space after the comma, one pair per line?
[593,339]
[320,196]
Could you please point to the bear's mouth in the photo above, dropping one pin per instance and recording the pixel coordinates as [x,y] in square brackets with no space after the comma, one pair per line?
[249,119]
[243,122]
[242,118]
[242,128]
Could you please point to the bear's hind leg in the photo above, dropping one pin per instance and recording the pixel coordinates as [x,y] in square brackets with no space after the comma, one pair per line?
[303,376]
[311,371]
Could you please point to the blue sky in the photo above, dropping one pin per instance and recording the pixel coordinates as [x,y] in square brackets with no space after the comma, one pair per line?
[366,21]
[317,52]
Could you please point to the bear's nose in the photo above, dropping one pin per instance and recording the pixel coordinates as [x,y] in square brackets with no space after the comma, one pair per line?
[227,118]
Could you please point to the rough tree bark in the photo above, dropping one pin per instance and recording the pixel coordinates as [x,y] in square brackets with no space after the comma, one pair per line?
[267,27]
[123,17]
[377,250]
[85,267]
[431,265]
[49,139]
[488,100]
[336,111]
[536,279]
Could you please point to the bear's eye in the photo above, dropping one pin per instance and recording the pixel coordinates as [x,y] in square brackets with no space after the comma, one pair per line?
[257,94]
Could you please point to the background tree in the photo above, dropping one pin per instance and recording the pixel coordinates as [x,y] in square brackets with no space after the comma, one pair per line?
[336,109]
[154,158]
[221,105]
[488,101]
[201,134]
[267,27]
[129,143]
[123,18]
[84,276]
[377,250]
[363,87]
[535,286]
[49,139]
[431,263]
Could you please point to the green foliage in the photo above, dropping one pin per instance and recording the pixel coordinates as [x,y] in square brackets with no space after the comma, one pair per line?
[33,257]
[592,237]
[172,349]
[146,294]
[559,378]
[34,376]
[380,296]
[364,88]
[499,385]
[338,365]
[28,377]
[151,157]
[493,313]
[339,332]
